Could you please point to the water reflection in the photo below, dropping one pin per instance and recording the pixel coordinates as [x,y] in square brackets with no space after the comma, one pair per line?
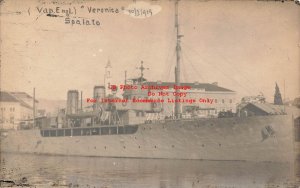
[48,171]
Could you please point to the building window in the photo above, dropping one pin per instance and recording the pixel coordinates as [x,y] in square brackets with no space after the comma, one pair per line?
[230,100]
[137,114]
[11,120]
[216,101]
[223,100]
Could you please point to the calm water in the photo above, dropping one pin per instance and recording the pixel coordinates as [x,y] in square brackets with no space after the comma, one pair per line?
[49,171]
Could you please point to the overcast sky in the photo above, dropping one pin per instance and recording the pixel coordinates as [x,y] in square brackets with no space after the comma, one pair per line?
[245,46]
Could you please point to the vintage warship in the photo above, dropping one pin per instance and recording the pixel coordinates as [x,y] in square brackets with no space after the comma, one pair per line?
[102,132]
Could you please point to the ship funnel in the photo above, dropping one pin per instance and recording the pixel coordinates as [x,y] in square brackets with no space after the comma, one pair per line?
[99,93]
[72,101]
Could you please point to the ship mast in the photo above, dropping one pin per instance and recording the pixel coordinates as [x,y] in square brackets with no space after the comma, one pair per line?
[177,68]
[33,108]
[142,68]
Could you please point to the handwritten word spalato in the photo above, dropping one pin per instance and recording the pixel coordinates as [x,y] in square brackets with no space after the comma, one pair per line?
[82,21]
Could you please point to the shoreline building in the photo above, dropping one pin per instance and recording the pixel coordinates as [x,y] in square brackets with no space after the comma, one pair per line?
[209,99]
[15,109]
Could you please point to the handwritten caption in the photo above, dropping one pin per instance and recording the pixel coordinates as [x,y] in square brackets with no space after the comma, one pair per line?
[84,15]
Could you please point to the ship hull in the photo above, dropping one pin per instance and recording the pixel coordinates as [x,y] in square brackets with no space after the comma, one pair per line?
[241,139]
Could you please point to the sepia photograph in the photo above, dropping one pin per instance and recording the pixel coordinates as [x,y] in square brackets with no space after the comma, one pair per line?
[150,93]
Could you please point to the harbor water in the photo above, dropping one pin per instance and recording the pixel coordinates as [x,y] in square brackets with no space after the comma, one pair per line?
[65,171]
